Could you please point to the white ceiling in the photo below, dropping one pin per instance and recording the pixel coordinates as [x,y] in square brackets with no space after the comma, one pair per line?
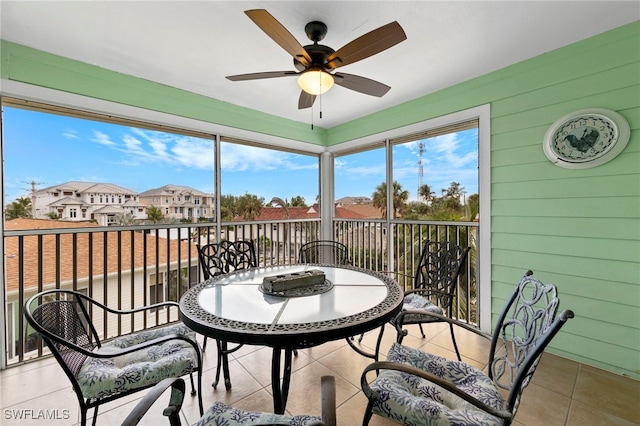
[193,45]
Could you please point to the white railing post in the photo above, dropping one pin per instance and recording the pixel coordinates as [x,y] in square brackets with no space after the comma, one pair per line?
[327,195]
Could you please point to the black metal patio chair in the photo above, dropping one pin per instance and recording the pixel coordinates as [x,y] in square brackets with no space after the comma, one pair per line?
[434,287]
[415,387]
[222,258]
[324,251]
[101,370]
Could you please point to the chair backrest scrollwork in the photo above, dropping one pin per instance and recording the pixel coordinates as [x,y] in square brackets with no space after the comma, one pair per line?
[526,325]
[438,269]
[325,252]
[226,256]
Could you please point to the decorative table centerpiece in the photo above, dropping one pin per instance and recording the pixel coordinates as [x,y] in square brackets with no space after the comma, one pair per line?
[303,283]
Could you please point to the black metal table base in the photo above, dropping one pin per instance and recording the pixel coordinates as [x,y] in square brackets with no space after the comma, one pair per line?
[281,389]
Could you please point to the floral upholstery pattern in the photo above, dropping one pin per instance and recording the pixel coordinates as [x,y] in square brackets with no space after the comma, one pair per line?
[101,377]
[412,400]
[221,414]
[416,302]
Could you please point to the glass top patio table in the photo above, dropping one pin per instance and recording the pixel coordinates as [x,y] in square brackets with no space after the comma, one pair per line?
[234,308]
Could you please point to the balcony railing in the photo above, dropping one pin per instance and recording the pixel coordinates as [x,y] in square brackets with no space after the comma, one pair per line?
[131,266]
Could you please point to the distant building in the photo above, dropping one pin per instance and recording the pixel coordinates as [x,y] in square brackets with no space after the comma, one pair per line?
[354,200]
[361,205]
[179,202]
[81,201]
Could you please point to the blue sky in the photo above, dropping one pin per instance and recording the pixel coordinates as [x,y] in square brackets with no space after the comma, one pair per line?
[49,150]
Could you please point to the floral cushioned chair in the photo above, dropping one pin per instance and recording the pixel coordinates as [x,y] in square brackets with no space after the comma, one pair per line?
[104,371]
[417,388]
[220,414]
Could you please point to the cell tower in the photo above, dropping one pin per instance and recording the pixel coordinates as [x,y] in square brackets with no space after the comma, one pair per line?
[420,169]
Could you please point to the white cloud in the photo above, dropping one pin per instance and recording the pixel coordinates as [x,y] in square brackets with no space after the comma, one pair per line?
[239,158]
[102,139]
[70,134]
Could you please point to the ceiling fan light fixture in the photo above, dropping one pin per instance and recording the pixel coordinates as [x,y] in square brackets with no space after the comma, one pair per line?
[315,81]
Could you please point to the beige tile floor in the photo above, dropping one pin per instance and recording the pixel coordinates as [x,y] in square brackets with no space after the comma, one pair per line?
[561,393]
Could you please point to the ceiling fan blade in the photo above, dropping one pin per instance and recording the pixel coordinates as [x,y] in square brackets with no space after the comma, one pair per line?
[259,75]
[361,84]
[279,34]
[306,100]
[367,45]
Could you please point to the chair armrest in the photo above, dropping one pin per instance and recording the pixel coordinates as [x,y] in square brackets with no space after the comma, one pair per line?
[135,310]
[173,409]
[444,318]
[388,365]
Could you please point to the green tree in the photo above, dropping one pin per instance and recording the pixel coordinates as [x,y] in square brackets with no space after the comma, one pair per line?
[125,219]
[454,191]
[298,201]
[21,207]
[228,209]
[425,193]
[52,215]
[154,214]
[473,206]
[415,210]
[400,197]
[249,206]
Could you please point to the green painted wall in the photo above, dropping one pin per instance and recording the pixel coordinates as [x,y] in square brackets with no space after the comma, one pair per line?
[579,229]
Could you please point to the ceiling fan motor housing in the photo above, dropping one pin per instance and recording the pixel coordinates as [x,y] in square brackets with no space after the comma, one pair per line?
[315,30]
[319,53]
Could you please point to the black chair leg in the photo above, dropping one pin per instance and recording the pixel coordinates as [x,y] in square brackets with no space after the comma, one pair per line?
[421,331]
[453,339]
[204,344]
[95,416]
[193,386]
[367,414]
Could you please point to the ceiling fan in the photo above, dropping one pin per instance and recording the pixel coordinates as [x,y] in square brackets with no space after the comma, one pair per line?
[316,63]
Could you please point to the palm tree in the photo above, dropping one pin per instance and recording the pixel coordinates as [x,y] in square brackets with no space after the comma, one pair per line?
[249,206]
[400,198]
[425,193]
[298,201]
[283,204]
[154,214]
[21,207]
